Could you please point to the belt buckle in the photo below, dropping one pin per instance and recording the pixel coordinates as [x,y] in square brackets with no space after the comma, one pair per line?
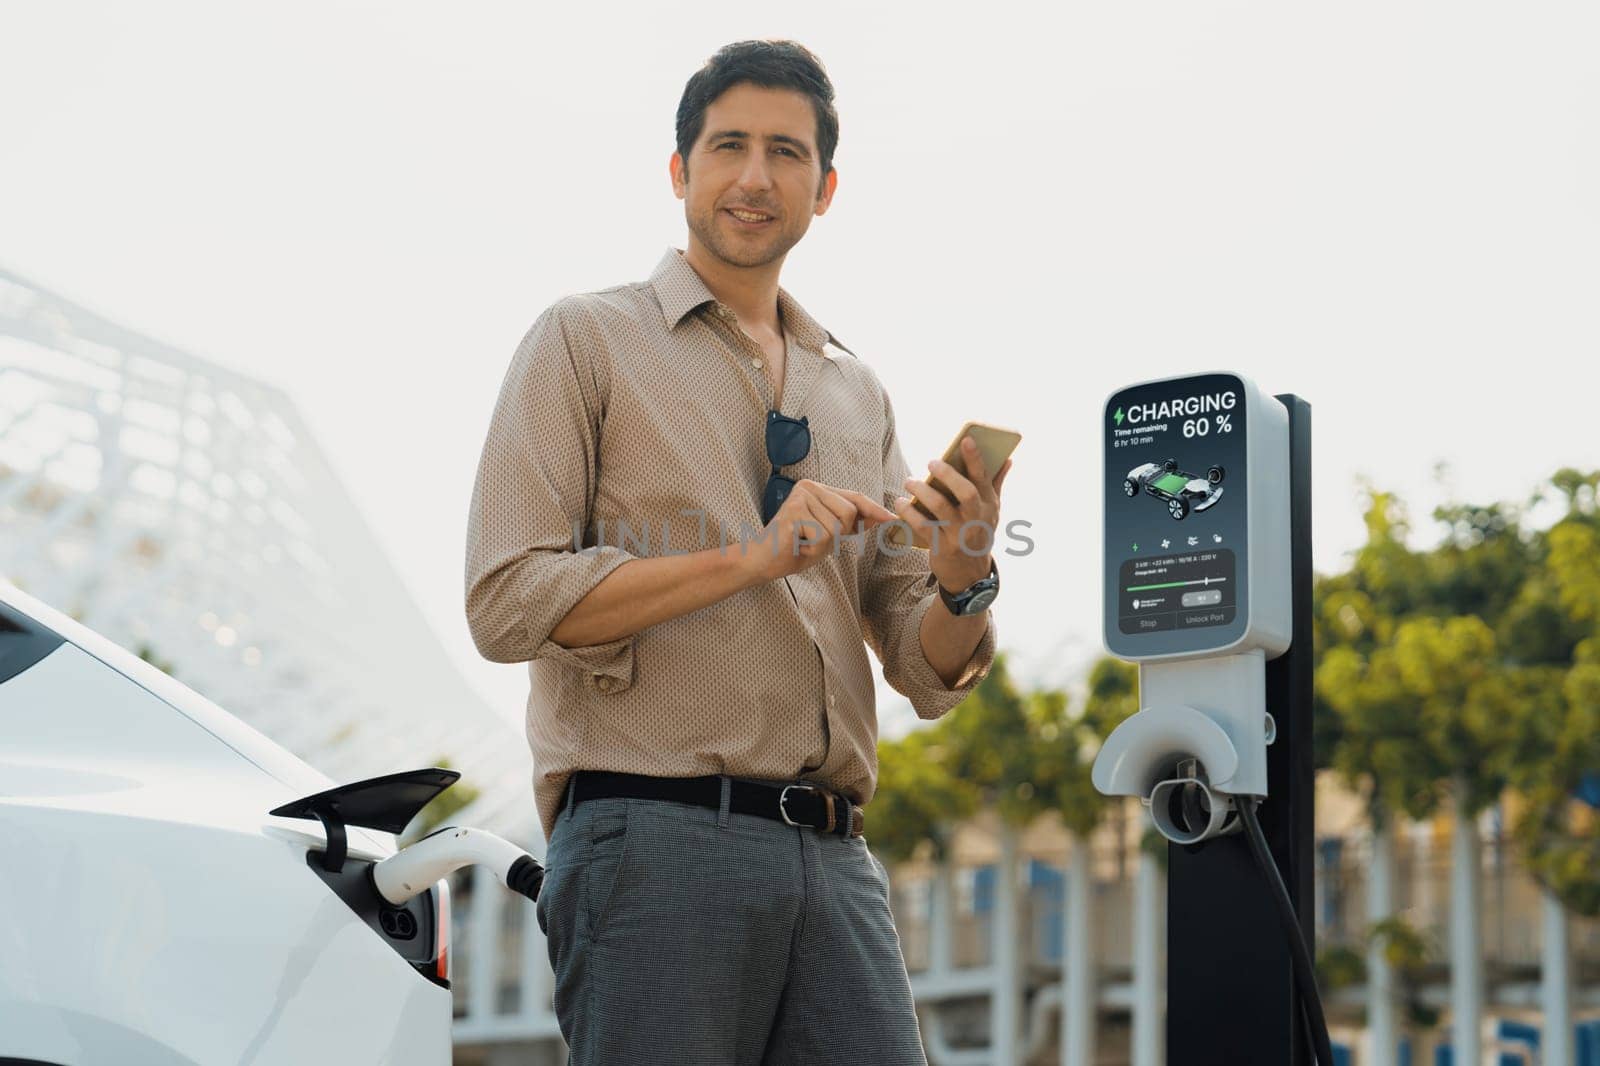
[783,812]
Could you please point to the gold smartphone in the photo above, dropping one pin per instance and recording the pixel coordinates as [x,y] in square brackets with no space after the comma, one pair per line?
[995,445]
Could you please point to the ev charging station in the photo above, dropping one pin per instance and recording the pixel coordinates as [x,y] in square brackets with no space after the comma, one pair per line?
[1207,587]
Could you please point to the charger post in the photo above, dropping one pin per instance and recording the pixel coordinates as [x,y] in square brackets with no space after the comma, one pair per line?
[1207,568]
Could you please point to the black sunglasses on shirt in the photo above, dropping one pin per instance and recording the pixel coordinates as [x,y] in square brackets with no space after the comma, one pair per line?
[788,442]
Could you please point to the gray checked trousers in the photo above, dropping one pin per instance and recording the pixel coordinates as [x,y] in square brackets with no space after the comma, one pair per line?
[684,936]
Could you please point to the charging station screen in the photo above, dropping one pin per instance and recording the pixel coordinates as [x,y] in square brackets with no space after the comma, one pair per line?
[1175,516]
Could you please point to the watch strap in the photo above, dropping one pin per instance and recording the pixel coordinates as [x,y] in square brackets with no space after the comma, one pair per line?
[956,602]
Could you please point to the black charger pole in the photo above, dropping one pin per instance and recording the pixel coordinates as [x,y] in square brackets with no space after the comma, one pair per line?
[1231,996]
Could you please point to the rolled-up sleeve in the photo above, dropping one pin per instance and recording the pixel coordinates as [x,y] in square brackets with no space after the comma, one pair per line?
[527,565]
[897,591]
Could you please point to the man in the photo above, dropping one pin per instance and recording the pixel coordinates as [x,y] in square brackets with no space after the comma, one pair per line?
[699,911]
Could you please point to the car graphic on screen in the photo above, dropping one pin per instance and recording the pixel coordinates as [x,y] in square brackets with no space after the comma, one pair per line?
[1183,491]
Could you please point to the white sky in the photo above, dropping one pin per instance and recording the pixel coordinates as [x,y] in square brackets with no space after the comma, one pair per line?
[1388,209]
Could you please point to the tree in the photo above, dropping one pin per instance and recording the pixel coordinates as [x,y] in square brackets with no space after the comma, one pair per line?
[1562,840]
[918,798]
[1425,705]
[1021,754]
[933,779]
[1561,746]
[1463,670]
[1064,750]
[1367,728]
[990,746]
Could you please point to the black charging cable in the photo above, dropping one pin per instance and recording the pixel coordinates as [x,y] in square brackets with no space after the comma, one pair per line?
[1305,976]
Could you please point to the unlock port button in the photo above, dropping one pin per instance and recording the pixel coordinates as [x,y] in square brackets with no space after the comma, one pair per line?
[1202,599]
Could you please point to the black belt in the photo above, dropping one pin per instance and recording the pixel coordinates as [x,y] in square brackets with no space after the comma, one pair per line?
[798,805]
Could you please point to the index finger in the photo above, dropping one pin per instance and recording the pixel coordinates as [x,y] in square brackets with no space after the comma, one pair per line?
[871,510]
[842,503]
[827,496]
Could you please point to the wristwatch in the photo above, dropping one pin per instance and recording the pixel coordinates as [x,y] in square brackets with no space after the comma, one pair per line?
[976,597]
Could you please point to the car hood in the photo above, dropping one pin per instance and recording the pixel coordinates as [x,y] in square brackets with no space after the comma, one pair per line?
[173,742]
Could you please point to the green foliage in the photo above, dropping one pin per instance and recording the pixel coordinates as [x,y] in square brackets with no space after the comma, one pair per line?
[1461,670]
[1409,670]
[1560,836]
[1406,950]
[1339,966]
[1451,670]
[1113,696]
[918,798]
[1019,752]
[1561,742]
[1404,946]
[1578,490]
[989,745]
[1065,745]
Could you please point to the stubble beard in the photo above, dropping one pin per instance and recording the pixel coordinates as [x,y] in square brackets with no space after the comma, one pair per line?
[733,251]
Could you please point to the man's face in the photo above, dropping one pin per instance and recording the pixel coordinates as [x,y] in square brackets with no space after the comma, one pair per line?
[752,180]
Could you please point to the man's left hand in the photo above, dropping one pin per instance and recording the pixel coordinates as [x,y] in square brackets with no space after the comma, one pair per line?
[959,548]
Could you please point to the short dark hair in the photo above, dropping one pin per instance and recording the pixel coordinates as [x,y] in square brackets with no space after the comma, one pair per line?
[771,65]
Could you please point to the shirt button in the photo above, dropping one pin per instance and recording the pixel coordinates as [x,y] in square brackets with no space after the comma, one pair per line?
[603,684]
[756,363]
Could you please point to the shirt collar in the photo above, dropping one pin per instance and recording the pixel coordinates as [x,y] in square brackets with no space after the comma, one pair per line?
[679,290]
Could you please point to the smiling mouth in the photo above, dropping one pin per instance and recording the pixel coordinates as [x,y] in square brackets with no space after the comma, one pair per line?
[748,217]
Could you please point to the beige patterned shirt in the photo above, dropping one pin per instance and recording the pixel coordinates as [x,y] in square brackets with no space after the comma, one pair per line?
[646,404]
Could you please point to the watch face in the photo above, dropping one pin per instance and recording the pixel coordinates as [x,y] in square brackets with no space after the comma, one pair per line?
[980,600]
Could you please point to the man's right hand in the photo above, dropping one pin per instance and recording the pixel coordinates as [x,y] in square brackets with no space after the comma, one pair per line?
[803,532]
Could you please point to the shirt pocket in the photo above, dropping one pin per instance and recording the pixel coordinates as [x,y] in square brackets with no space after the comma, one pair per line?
[843,462]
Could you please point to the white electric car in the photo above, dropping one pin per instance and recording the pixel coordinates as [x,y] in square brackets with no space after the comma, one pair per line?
[175,888]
